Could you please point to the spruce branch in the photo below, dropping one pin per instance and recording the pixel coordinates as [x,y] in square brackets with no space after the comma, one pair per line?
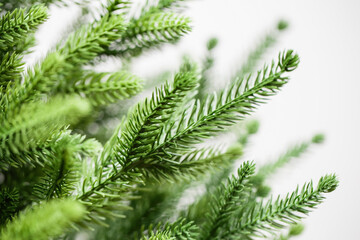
[268,218]
[42,222]
[88,42]
[157,200]
[44,153]
[224,203]
[191,165]
[103,88]
[15,28]
[147,119]
[104,193]
[39,80]
[35,123]
[148,32]
[61,171]
[56,69]
[197,211]
[204,120]
[103,189]
[15,25]
[140,131]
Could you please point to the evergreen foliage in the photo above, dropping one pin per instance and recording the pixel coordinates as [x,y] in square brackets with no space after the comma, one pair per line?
[104,88]
[56,181]
[59,214]
[149,31]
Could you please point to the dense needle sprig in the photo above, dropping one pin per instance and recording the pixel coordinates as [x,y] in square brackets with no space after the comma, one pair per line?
[56,181]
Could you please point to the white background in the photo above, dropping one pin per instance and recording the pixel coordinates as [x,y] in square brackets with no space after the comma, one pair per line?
[322,96]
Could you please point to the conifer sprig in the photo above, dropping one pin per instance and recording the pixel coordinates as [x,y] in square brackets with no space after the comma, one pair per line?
[149,31]
[139,133]
[197,211]
[146,121]
[37,81]
[225,202]
[88,42]
[193,164]
[35,123]
[275,215]
[204,120]
[105,192]
[15,25]
[60,176]
[61,171]
[56,69]
[103,88]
